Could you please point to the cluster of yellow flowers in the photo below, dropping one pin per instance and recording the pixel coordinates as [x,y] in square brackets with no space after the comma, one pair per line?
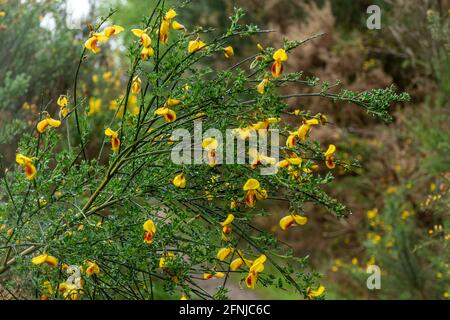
[71,289]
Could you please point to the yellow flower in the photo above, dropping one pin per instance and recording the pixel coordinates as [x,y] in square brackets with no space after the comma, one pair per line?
[136,86]
[115,141]
[144,38]
[28,166]
[178,26]
[169,114]
[255,269]
[91,43]
[183,297]
[170,14]
[113,30]
[291,219]
[165,26]
[165,258]
[261,87]
[259,159]
[48,286]
[107,76]
[223,253]
[329,156]
[210,145]
[145,41]
[179,181]
[312,294]
[228,52]
[207,276]
[277,68]
[147,52]
[371,214]
[92,268]
[172,102]
[45,123]
[291,140]
[2,13]
[226,226]
[62,102]
[195,45]
[229,220]
[150,230]
[95,105]
[254,192]
[236,264]
[71,291]
[354,261]
[45,258]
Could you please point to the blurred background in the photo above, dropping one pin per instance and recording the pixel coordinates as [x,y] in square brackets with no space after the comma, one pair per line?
[399,198]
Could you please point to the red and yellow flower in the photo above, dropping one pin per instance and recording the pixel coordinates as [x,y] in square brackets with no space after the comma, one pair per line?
[146,42]
[168,114]
[28,166]
[92,42]
[329,156]
[254,192]
[47,122]
[255,269]
[210,145]
[45,259]
[149,231]
[279,56]
[92,268]
[292,219]
[226,226]
[115,141]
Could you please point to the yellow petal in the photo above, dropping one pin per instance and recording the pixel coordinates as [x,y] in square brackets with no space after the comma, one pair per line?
[21,159]
[261,87]
[173,102]
[178,26]
[251,184]
[53,122]
[180,181]
[111,133]
[138,32]
[331,150]
[280,55]
[62,101]
[223,253]
[39,259]
[291,141]
[303,131]
[149,226]
[170,14]
[228,52]
[136,86]
[228,220]
[42,126]
[300,220]
[210,144]
[236,264]
[286,222]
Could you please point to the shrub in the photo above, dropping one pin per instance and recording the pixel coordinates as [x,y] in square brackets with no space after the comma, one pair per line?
[138,225]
